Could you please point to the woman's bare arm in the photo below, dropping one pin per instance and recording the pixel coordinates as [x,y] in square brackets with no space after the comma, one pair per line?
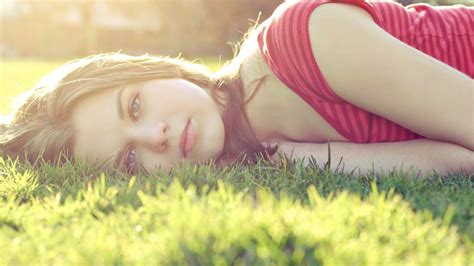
[416,157]
[384,76]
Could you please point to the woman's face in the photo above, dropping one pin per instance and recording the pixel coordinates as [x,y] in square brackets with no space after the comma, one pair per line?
[157,123]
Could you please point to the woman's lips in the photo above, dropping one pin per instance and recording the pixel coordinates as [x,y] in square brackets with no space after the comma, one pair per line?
[188,138]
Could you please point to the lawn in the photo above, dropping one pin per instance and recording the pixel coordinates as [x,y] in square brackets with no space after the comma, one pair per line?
[263,215]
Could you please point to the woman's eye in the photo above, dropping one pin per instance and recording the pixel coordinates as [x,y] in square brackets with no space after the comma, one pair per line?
[135,108]
[130,160]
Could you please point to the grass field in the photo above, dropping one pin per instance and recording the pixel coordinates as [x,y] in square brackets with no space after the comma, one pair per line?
[261,215]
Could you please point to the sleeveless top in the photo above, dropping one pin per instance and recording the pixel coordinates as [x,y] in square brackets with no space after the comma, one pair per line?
[445,33]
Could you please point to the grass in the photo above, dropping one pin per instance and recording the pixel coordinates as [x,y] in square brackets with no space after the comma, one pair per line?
[76,214]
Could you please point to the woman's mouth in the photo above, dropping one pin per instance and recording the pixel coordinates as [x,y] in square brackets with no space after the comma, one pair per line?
[188,138]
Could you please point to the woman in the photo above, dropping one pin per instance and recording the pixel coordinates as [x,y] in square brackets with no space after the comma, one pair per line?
[388,86]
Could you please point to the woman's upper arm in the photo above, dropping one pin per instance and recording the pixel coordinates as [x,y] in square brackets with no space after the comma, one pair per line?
[373,70]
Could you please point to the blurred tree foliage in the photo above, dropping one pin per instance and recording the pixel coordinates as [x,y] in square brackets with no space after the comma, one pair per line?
[207,25]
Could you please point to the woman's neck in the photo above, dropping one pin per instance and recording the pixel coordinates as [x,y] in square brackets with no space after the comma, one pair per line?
[250,67]
[265,123]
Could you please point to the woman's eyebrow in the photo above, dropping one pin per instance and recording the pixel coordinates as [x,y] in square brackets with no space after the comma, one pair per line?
[119,102]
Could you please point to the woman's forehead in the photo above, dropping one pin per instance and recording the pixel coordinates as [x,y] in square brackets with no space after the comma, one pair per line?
[97,126]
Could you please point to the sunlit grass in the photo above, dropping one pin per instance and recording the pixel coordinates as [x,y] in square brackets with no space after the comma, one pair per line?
[263,215]
[245,215]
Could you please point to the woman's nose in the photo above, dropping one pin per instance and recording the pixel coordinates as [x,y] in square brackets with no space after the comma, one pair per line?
[154,136]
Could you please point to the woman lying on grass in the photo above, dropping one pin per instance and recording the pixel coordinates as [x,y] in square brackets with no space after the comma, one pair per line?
[390,87]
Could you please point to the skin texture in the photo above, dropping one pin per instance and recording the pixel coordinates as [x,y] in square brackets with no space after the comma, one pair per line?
[162,109]
[419,157]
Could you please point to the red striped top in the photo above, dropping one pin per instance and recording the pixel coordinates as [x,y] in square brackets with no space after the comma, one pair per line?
[445,33]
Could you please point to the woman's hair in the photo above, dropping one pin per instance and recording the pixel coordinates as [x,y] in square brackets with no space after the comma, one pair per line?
[40,128]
